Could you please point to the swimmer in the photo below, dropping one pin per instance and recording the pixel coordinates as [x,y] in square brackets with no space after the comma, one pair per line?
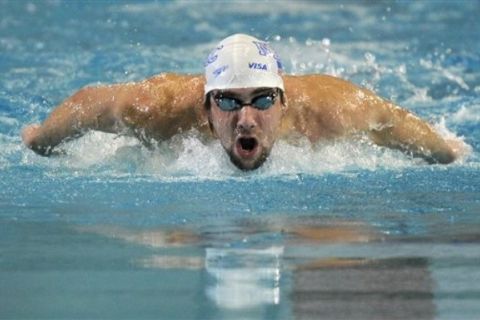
[247,102]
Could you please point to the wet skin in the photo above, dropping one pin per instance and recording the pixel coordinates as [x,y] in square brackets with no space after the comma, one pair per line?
[247,134]
[318,107]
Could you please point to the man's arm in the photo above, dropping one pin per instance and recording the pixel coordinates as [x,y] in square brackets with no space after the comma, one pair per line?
[90,108]
[397,128]
[150,108]
[331,107]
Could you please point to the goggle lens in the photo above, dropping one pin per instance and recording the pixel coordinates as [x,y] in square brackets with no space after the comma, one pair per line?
[264,102]
[228,104]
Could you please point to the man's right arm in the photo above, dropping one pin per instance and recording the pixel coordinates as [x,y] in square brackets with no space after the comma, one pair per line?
[90,108]
[115,108]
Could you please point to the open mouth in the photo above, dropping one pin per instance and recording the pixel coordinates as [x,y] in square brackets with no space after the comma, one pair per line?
[246,146]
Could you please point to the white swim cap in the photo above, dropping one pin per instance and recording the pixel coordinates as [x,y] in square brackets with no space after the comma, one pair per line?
[242,61]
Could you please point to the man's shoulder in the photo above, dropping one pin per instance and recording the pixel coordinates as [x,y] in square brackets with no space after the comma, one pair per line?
[165,104]
[316,82]
[324,103]
[165,79]
[318,91]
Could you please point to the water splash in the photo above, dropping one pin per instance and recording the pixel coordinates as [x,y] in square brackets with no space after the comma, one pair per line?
[467,114]
[188,156]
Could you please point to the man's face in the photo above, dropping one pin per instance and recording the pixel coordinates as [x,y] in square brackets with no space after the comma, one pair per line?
[248,131]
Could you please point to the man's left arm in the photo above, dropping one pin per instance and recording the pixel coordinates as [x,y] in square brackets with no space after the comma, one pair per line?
[323,106]
[395,127]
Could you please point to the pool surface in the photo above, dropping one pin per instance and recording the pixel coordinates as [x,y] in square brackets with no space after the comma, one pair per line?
[338,230]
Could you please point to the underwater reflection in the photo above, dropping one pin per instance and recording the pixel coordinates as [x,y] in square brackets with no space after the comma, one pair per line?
[398,288]
[255,277]
[244,278]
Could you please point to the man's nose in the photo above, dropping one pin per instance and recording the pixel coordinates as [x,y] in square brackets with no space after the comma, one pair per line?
[246,119]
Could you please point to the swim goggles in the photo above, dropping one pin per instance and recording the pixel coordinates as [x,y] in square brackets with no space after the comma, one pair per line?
[261,102]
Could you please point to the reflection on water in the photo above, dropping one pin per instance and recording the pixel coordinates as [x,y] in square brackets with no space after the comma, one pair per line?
[246,280]
[363,289]
[304,268]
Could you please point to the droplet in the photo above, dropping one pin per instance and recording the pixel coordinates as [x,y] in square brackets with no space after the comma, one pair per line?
[369,57]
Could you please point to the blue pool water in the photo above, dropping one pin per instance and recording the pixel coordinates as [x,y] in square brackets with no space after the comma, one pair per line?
[341,230]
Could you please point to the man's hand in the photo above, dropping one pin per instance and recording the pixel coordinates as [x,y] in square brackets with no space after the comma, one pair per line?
[29,135]
[458,147]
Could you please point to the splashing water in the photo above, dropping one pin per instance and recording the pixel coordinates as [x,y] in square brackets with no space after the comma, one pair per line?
[189,156]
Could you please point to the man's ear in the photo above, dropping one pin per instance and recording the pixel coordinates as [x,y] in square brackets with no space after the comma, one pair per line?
[284,101]
[210,122]
[207,111]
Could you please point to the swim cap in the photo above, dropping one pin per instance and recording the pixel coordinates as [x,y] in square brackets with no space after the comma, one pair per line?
[242,61]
